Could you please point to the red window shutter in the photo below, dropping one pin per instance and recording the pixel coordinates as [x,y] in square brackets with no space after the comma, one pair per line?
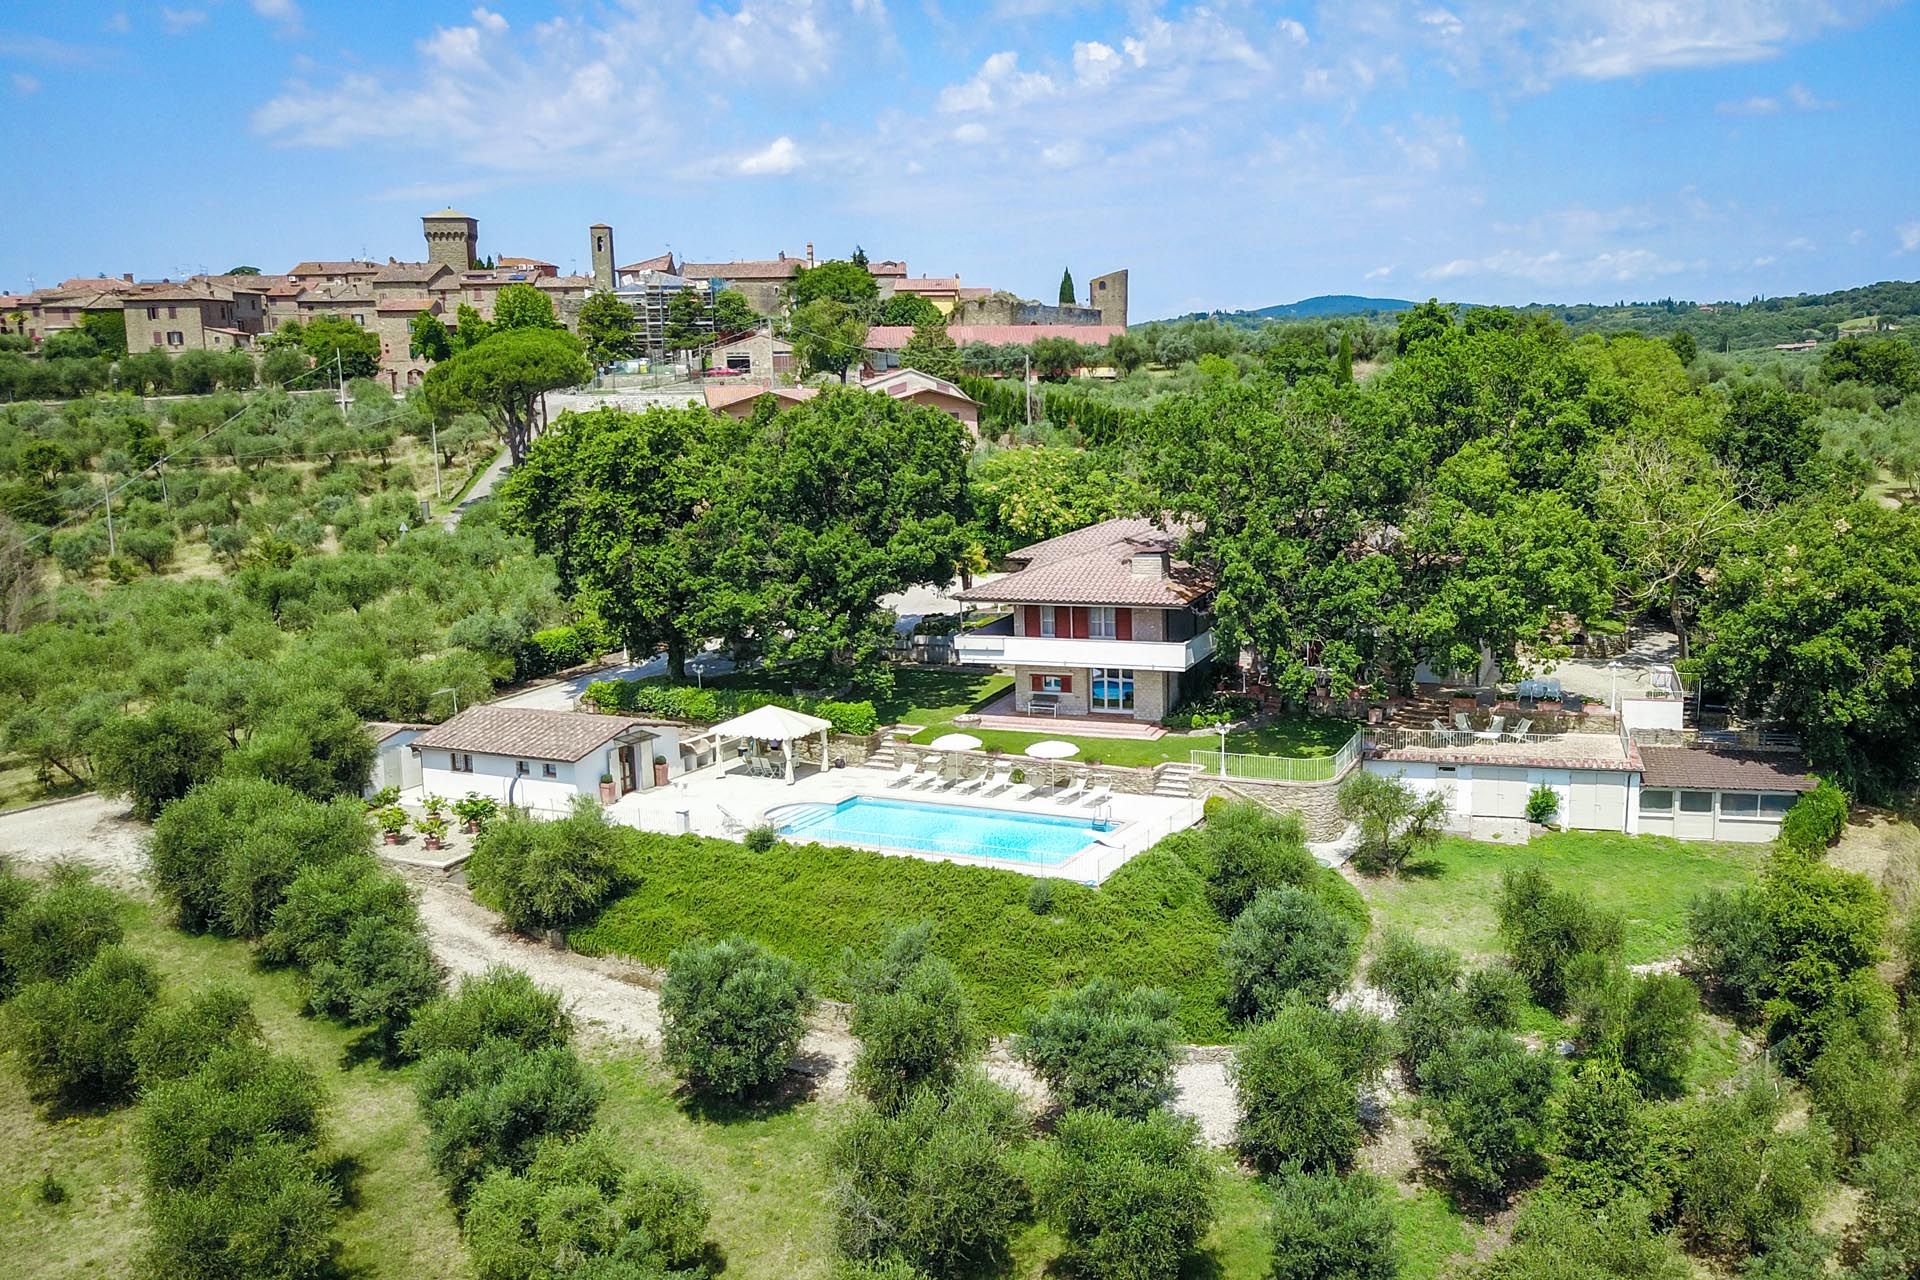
[1079,623]
[1066,684]
[1036,683]
[1123,624]
[1033,619]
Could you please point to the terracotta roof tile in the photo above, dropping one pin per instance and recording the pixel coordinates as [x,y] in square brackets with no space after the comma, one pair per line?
[1095,566]
[526,733]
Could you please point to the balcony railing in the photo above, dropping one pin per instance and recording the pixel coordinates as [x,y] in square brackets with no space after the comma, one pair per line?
[999,649]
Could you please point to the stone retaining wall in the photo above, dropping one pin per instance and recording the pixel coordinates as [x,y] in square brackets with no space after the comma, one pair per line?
[1317,803]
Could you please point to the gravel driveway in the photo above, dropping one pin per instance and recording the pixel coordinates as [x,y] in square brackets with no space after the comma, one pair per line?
[614,1000]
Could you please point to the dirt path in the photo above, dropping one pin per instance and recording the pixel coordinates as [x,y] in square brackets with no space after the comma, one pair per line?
[615,1000]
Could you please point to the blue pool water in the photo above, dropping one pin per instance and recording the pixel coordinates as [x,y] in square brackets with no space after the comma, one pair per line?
[922,827]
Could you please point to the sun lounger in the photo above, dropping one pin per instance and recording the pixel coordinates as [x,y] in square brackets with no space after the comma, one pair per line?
[1002,778]
[1100,794]
[973,782]
[1494,730]
[904,773]
[1520,730]
[1074,787]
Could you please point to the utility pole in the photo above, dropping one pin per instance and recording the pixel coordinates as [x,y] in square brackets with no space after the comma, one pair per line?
[113,547]
[1026,385]
[437,495]
[340,379]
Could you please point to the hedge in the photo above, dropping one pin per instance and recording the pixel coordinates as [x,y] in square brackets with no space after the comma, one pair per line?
[709,706]
[1816,820]
[1151,924]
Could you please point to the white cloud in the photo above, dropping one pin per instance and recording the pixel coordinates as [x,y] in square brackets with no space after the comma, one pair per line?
[24,84]
[972,133]
[1807,100]
[999,83]
[783,41]
[778,156]
[1095,63]
[1909,233]
[1754,106]
[1378,273]
[1797,97]
[1557,268]
[283,13]
[179,20]
[118,24]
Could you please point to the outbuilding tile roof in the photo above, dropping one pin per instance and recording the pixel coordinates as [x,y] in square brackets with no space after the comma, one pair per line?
[527,733]
[1705,769]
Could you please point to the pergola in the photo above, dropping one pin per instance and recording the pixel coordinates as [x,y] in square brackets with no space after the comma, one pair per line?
[775,724]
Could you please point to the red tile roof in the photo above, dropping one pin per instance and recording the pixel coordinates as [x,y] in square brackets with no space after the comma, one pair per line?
[725,395]
[893,337]
[758,269]
[527,733]
[1094,565]
[404,304]
[659,262]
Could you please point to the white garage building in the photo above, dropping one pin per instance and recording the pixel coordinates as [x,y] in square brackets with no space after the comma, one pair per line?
[1604,782]
[540,760]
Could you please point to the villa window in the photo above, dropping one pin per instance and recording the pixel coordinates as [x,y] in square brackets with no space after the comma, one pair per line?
[1739,804]
[1655,800]
[520,767]
[1696,802]
[1046,621]
[460,762]
[1100,626]
[1111,689]
[548,769]
[1052,684]
[1776,806]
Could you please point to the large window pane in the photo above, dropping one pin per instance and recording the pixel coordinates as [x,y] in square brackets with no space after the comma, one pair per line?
[1739,804]
[1656,801]
[1776,805]
[1112,689]
[1696,802]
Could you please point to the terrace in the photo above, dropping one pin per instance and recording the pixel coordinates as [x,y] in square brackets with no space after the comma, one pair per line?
[1521,749]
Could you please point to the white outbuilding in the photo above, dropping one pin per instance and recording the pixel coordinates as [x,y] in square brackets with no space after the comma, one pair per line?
[540,760]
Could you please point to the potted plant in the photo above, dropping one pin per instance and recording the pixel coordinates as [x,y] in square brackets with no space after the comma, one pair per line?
[659,771]
[382,798]
[434,828]
[393,821]
[606,789]
[475,811]
[436,806]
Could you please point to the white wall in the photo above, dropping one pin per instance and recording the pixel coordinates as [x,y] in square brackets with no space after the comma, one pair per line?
[1427,778]
[395,763]
[1653,713]
[496,776]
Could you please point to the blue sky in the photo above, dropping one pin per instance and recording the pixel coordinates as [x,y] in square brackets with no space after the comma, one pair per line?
[1229,155]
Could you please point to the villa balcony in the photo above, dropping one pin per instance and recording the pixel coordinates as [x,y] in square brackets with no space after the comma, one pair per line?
[992,647]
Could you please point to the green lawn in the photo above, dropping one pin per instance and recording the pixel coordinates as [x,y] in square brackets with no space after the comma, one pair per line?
[398,1222]
[1451,898]
[933,698]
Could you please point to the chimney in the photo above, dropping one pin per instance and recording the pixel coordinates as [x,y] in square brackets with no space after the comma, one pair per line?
[1149,564]
[127,276]
[809,253]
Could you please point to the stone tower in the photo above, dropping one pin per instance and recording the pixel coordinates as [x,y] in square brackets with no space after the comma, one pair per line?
[1107,294]
[453,239]
[601,236]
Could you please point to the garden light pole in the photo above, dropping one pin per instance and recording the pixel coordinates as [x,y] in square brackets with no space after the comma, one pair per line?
[1221,729]
[456,697]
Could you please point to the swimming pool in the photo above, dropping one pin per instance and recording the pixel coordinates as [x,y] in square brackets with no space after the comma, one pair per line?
[918,826]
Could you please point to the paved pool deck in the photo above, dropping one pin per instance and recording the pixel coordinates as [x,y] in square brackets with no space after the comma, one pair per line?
[725,802]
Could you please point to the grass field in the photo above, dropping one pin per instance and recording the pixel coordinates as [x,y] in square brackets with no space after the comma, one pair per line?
[397,1223]
[1451,898]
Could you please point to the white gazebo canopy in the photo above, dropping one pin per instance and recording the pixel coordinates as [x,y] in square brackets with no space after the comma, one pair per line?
[776,724]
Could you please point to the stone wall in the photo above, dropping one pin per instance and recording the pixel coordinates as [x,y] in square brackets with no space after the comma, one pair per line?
[1317,803]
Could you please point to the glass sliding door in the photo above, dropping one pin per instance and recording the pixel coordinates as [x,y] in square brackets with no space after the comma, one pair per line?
[1112,689]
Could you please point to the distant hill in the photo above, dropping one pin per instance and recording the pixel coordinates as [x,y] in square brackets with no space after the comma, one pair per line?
[1317,308]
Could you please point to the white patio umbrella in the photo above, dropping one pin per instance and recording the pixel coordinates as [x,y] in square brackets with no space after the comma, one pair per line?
[1051,749]
[954,742]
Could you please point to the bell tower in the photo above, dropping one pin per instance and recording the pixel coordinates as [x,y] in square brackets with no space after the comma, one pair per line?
[453,239]
[600,238]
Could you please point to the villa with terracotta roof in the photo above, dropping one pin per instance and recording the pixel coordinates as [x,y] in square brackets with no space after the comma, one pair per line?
[1103,621]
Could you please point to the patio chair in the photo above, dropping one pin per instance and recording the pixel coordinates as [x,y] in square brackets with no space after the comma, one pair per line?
[1463,721]
[1100,794]
[1000,779]
[929,773]
[1520,730]
[1495,730]
[1074,786]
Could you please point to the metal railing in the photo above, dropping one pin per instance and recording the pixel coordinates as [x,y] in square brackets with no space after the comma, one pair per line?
[1248,767]
[1458,739]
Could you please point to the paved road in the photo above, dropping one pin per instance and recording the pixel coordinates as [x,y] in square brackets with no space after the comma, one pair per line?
[481,488]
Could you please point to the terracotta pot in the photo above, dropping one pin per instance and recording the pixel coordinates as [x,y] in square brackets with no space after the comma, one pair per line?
[391,837]
[471,827]
[606,793]
[660,775]
[435,842]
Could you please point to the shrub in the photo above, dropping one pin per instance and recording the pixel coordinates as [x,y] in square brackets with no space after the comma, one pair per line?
[1857,1091]
[547,875]
[323,902]
[490,1108]
[1130,1197]
[75,1037]
[1616,1241]
[1543,805]
[381,975]
[1244,848]
[576,1204]
[1487,1099]
[1297,1078]
[734,1015]
[175,1041]
[1744,1176]
[1040,896]
[1495,997]
[268,1213]
[263,862]
[761,838]
[1606,1143]
[1405,968]
[1396,823]
[912,1020]
[56,933]
[935,1184]
[154,759]
[1646,1022]
[1104,1046]
[1886,1235]
[50,1191]
[192,1128]
[317,745]
[1815,821]
[501,1004]
[707,706]
[1327,1226]
[16,892]
[1545,928]
[1285,941]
